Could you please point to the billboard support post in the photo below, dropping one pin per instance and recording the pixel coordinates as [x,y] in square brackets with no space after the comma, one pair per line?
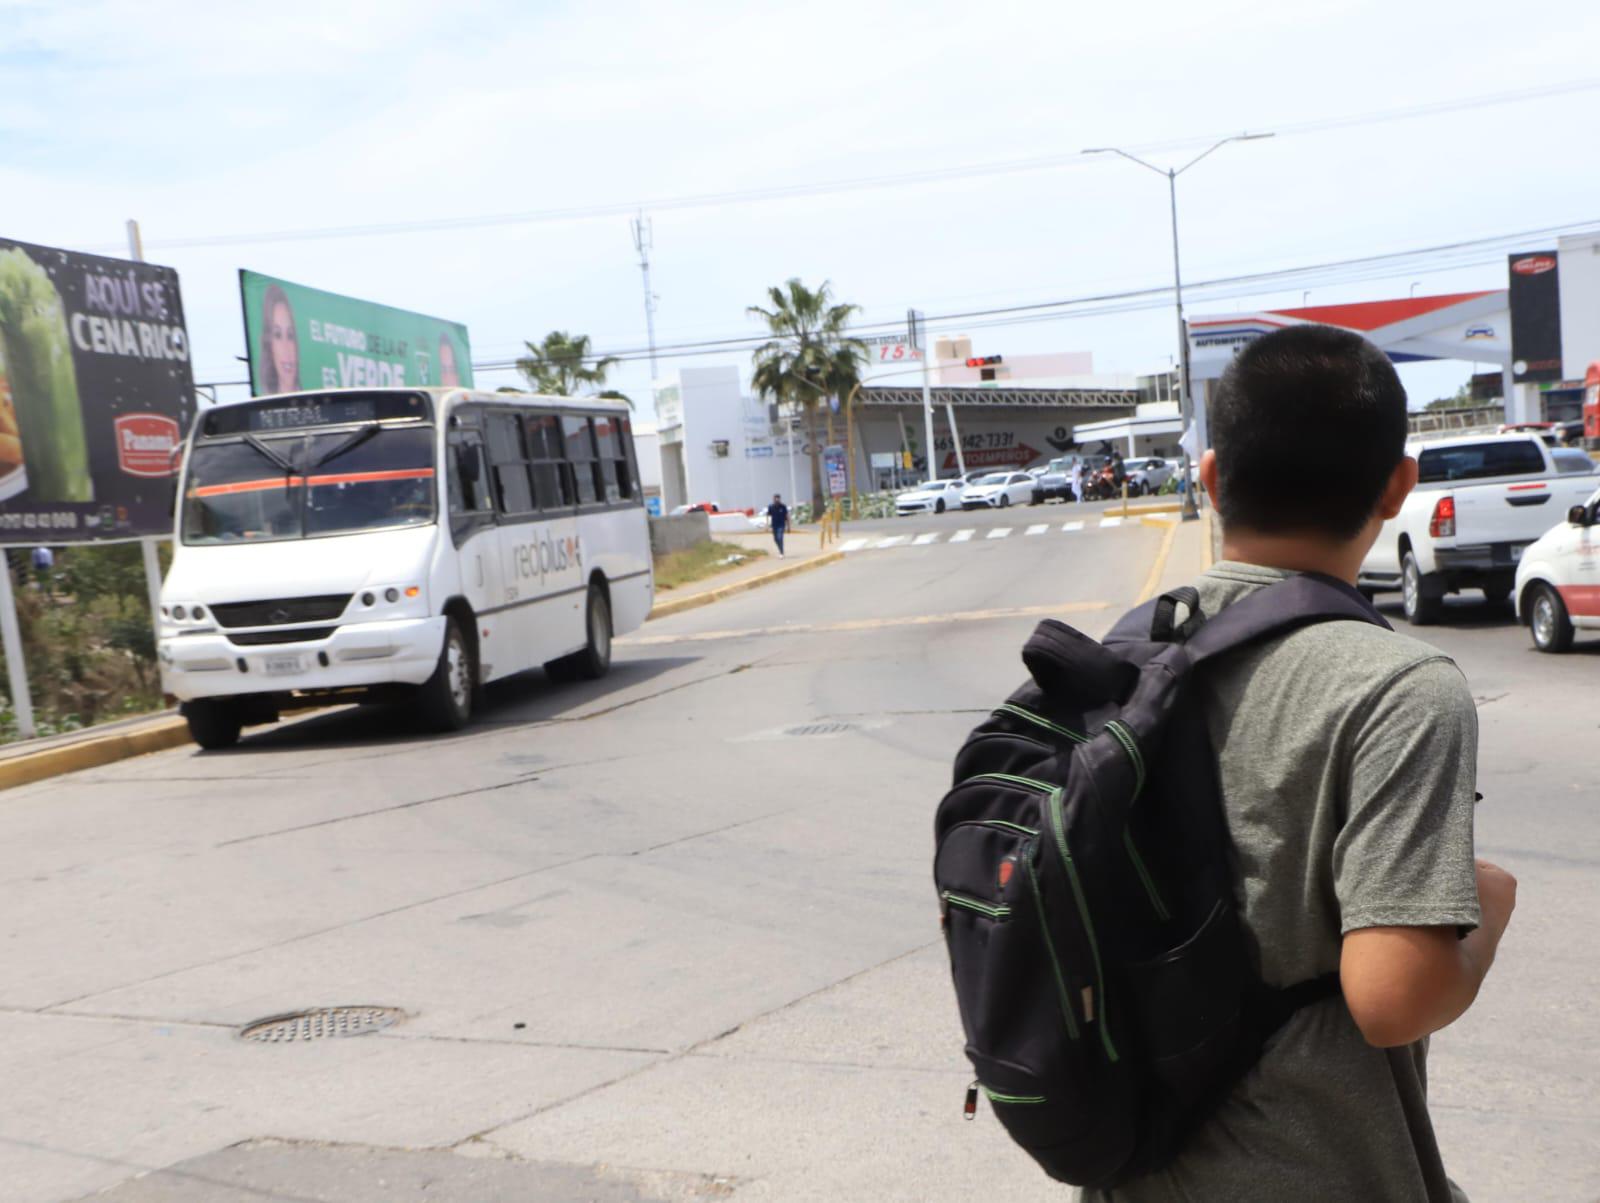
[147,547]
[16,666]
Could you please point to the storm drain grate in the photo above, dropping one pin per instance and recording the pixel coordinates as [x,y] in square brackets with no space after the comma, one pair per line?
[321,1024]
[821,729]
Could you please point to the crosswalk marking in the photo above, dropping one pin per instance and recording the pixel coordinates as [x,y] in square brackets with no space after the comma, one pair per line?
[1000,532]
[966,534]
[961,536]
[892,541]
[1071,526]
[1037,529]
[854,544]
[922,540]
[1110,522]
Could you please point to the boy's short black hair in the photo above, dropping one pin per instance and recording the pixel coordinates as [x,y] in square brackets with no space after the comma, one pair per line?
[1308,424]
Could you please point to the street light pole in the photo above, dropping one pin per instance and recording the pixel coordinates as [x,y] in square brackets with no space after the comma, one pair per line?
[1185,401]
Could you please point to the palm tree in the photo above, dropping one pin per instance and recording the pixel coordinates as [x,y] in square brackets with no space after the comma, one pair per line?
[563,365]
[809,357]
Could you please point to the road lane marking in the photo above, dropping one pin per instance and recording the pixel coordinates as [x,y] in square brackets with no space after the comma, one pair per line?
[961,536]
[854,544]
[923,540]
[1037,528]
[1000,532]
[1105,522]
[891,541]
[867,624]
[1070,526]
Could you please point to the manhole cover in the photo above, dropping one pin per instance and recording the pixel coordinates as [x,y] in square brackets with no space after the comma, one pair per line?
[821,729]
[321,1024]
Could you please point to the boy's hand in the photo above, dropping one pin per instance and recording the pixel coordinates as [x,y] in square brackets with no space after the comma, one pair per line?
[1497,896]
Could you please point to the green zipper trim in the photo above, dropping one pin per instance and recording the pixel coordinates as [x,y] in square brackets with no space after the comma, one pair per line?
[1040,721]
[1050,947]
[1059,825]
[1038,787]
[1130,745]
[972,904]
[1010,826]
[995,1096]
[1144,876]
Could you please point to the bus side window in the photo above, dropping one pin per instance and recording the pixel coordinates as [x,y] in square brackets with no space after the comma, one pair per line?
[547,451]
[581,454]
[468,484]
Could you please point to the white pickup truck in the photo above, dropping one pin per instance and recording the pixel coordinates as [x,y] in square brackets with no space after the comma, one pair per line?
[1479,502]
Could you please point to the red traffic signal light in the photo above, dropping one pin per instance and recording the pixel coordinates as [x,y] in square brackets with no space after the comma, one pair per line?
[982,361]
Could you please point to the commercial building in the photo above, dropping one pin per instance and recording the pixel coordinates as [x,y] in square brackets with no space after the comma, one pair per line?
[720,445]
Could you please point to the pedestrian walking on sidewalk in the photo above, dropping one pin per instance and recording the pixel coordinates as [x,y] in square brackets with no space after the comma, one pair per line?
[1347,758]
[778,515]
[1077,480]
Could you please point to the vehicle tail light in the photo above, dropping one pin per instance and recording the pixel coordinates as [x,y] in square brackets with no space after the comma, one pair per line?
[1443,525]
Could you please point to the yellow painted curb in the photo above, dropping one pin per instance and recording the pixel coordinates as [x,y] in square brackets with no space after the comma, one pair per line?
[676,605]
[1158,523]
[92,753]
[1153,581]
[1158,507]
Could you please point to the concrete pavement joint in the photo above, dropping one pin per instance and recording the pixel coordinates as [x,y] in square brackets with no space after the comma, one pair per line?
[486,1134]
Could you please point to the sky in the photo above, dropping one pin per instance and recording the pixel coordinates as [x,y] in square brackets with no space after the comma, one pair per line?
[1398,125]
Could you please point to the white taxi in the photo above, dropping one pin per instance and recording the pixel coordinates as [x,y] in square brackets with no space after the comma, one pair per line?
[1558,579]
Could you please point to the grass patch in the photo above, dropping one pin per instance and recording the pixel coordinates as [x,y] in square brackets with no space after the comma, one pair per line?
[700,561]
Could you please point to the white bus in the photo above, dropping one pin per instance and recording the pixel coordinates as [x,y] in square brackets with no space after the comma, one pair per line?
[381,543]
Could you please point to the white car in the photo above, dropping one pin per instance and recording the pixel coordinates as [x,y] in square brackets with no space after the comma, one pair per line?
[930,497]
[1558,579]
[998,490]
[1147,474]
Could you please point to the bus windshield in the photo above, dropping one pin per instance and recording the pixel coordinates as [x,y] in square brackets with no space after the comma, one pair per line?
[266,487]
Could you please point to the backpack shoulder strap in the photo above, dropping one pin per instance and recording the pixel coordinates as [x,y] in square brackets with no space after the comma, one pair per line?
[1296,602]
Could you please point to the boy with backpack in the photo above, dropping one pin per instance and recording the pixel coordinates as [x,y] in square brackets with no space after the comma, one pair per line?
[1279,1051]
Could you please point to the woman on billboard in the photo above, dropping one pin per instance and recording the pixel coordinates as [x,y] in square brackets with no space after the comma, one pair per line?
[449,373]
[280,344]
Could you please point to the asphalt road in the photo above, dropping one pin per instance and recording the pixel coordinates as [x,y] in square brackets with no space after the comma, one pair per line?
[666,936]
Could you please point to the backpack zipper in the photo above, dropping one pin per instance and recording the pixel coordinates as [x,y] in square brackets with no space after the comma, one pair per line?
[986,909]
[1058,825]
[1050,947]
[1144,875]
[994,1096]
[1029,716]
[1130,745]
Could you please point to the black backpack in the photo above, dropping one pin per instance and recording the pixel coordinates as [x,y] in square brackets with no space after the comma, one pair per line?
[1086,889]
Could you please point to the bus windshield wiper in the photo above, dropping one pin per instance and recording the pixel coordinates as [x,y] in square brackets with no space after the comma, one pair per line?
[271,453]
[350,444]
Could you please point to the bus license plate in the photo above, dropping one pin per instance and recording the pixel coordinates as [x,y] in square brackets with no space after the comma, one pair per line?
[284,666]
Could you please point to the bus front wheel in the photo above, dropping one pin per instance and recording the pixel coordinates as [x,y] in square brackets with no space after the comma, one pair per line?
[446,697]
[213,724]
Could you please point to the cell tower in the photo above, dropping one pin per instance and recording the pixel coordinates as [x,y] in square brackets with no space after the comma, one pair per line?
[643,242]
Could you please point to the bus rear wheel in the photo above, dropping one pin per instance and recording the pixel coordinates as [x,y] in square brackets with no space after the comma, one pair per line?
[445,699]
[594,660]
[213,725]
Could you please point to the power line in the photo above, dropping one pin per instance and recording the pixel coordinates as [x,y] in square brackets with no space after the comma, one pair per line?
[861,183]
[1441,257]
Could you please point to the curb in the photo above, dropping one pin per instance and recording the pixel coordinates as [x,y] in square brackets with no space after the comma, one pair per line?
[93,753]
[677,605]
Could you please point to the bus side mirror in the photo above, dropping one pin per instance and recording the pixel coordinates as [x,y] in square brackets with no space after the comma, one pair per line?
[1578,515]
[467,465]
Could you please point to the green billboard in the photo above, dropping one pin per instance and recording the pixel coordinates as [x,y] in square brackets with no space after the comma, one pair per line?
[303,338]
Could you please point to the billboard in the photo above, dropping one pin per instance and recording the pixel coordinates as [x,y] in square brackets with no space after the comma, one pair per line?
[96,393]
[303,338]
[1535,316]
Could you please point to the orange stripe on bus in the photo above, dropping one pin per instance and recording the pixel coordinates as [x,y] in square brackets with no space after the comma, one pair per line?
[294,482]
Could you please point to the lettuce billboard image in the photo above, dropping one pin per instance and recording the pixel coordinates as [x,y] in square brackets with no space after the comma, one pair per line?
[304,338]
[96,393]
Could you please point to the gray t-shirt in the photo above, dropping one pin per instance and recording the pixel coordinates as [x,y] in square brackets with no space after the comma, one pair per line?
[1348,762]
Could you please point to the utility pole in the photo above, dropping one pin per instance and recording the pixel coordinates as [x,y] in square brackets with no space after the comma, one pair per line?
[917,322]
[643,242]
[1185,398]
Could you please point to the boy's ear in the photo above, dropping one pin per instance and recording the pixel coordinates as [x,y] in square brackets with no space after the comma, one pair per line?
[1401,481]
[1208,474]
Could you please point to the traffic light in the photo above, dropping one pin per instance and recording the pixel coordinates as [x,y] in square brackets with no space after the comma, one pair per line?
[983,361]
